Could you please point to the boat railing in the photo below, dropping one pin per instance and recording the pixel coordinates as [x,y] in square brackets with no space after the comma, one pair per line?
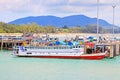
[51,47]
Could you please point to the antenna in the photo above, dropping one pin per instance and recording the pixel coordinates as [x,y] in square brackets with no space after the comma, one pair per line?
[97,20]
[113,21]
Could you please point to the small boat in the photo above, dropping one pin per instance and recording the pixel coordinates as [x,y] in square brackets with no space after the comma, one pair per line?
[61,51]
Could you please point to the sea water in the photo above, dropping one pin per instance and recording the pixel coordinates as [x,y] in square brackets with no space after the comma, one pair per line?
[21,68]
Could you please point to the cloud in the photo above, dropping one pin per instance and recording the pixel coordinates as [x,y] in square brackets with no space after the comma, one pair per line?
[16,5]
[21,8]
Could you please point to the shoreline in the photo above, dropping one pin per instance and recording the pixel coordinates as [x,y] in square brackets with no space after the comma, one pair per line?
[67,35]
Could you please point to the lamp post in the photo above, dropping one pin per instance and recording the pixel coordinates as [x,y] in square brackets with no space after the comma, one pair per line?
[97,20]
[113,19]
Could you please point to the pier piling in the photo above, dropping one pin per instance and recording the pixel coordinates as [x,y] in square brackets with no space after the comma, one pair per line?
[1,44]
[117,48]
[111,55]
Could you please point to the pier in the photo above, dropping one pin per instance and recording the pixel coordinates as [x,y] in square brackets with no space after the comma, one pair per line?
[7,42]
[113,48]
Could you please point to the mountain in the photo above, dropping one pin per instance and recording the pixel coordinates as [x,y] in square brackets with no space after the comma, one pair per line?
[69,21]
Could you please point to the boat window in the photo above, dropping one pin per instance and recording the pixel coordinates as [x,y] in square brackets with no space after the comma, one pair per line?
[17,49]
[59,47]
[44,47]
[31,47]
[25,49]
[82,46]
[48,47]
[51,47]
[29,53]
[64,47]
[41,47]
[73,46]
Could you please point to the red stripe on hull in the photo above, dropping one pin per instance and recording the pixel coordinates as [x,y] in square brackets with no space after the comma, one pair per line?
[70,57]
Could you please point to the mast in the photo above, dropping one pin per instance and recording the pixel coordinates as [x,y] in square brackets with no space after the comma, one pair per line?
[113,20]
[97,20]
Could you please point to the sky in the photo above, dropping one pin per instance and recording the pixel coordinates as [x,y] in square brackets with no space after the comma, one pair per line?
[13,9]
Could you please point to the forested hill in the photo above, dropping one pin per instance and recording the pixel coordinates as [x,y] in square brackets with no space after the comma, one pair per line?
[69,21]
[12,28]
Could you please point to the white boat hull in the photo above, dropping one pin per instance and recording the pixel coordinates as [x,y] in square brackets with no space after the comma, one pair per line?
[63,53]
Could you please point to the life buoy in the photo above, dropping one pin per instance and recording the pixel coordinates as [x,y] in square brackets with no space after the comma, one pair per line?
[81,43]
[89,44]
[86,44]
[24,43]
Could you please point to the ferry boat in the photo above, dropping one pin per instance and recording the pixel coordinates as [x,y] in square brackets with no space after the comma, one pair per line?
[61,51]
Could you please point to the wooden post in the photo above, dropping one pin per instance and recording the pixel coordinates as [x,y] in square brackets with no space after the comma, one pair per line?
[14,43]
[103,48]
[111,51]
[117,49]
[85,49]
[2,43]
[5,45]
